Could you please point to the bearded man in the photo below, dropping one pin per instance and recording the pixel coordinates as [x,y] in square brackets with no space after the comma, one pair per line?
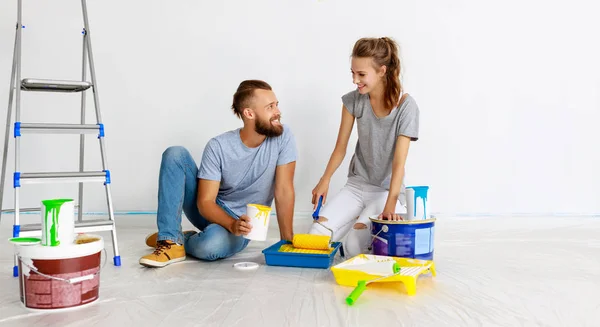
[254,164]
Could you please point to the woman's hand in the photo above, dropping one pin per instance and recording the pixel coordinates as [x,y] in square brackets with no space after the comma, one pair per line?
[320,190]
[388,215]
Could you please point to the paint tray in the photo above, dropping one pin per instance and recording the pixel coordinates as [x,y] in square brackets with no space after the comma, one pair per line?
[348,273]
[299,257]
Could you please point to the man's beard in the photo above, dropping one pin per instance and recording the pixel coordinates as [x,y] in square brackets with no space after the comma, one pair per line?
[266,129]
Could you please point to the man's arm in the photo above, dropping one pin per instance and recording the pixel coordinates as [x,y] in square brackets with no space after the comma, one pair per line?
[285,198]
[209,209]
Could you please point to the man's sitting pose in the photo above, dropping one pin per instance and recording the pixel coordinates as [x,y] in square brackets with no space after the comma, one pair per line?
[253,164]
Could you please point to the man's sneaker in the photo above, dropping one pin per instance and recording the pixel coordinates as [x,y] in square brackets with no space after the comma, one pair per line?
[151,239]
[166,253]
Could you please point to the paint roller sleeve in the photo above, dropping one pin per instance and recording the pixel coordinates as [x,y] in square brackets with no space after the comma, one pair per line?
[313,242]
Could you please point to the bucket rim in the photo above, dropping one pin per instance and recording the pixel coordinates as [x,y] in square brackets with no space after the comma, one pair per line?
[375,219]
[68,251]
[62,200]
[259,206]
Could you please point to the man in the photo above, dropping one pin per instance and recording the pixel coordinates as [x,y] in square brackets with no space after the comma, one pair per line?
[252,164]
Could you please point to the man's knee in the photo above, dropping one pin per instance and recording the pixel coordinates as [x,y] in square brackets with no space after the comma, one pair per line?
[174,153]
[322,219]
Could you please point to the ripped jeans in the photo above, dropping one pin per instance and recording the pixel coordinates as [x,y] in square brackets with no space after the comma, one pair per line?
[354,204]
[177,192]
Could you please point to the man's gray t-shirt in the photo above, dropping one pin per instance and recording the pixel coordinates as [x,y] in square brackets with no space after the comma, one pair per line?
[374,153]
[247,175]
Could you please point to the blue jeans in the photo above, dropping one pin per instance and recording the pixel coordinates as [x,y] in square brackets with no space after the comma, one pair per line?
[177,191]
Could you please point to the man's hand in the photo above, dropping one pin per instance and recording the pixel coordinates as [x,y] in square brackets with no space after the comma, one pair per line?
[286,236]
[241,226]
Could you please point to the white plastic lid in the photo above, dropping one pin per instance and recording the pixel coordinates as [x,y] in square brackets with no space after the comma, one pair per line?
[66,251]
[246,266]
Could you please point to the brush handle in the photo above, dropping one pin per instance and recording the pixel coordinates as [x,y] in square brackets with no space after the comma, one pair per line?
[362,285]
[316,213]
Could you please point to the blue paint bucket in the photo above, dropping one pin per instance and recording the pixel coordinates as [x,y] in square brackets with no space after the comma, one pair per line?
[405,239]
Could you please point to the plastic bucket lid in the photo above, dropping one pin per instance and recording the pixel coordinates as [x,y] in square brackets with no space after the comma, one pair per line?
[65,251]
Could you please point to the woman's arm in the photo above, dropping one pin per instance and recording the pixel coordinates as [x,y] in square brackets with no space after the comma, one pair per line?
[398,164]
[337,156]
[339,152]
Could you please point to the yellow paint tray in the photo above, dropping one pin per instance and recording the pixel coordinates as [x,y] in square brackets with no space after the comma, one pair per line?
[348,273]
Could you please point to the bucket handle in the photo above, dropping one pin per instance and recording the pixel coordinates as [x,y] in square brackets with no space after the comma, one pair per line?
[70,280]
[384,228]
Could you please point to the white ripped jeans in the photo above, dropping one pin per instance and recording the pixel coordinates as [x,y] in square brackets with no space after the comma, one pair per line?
[355,203]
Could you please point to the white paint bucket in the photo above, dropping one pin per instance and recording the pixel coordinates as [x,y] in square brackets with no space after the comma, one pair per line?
[58,222]
[259,218]
[56,278]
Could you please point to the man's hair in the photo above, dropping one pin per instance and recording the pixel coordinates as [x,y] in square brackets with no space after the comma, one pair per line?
[244,94]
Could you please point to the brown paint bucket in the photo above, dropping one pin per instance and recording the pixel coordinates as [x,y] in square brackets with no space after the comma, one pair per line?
[60,277]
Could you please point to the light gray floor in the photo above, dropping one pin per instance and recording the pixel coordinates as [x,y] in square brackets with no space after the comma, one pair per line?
[491,272]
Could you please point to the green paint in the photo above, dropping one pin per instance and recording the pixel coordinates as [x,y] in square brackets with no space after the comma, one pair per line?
[25,240]
[51,222]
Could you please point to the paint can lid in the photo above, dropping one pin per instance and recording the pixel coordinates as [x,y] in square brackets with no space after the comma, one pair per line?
[246,266]
[24,240]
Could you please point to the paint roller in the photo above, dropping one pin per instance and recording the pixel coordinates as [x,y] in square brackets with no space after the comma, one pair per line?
[362,284]
[314,242]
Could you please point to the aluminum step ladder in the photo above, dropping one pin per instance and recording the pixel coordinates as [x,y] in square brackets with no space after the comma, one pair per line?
[21,128]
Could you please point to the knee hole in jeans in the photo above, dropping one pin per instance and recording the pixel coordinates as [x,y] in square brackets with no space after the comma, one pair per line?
[360,226]
[322,219]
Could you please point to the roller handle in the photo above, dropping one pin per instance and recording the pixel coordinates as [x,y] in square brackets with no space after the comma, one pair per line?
[316,213]
[396,268]
[362,285]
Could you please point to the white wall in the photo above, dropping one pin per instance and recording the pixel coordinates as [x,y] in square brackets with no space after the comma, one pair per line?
[509,91]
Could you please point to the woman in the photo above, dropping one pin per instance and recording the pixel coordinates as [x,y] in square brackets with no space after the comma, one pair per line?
[387,121]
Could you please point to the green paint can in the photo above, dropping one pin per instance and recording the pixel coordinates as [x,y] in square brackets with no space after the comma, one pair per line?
[58,222]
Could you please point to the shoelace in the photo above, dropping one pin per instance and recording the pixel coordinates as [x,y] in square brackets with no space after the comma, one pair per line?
[161,247]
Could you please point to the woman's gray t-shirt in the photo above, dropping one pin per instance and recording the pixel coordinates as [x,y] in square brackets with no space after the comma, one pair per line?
[372,159]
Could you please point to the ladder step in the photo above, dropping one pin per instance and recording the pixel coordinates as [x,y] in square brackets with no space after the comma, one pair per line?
[21,210]
[96,225]
[33,209]
[51,128]
[48,85]
[86,176]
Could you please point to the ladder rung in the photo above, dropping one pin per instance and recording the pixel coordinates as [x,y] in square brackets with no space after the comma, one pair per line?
[51,128]
[21,210]
[80,227]
[36,209]
[86,176]
[48,85]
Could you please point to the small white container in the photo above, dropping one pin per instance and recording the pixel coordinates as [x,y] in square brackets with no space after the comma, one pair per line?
[416,203]
[58,222]
[260,217]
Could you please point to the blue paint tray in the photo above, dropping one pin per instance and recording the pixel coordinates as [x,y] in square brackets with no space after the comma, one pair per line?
[303,260]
